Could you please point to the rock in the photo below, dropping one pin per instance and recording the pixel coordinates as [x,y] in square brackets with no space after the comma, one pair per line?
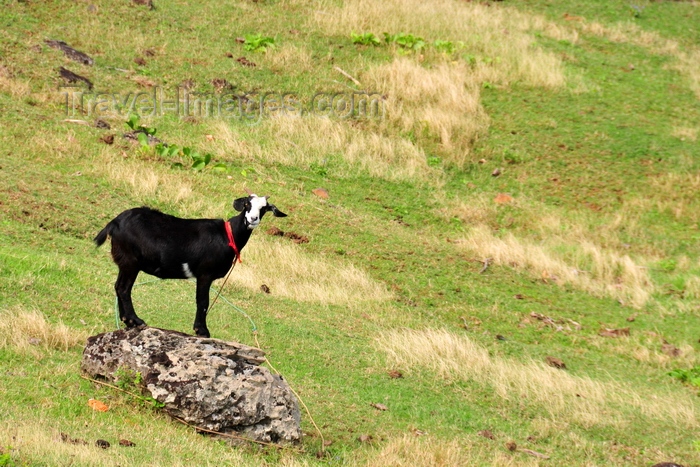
[99,123]
[220,85]
[101,443]
[208,383]
[555,362]
[245,62]
[614,332]
[71,77]
[67,439]
[670,350]
[148,3]
[379,406]
[321,193]
[70,52]
[503,198]
[107,139]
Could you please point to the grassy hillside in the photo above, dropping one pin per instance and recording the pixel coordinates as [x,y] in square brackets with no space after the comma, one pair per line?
[521,187]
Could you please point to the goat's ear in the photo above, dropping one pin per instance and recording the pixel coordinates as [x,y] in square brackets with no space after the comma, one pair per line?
[276,211]
[239,204]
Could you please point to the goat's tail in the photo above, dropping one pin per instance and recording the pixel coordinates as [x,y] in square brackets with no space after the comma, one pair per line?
[102,236]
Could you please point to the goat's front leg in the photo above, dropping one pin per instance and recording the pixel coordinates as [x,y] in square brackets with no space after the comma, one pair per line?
[200,319]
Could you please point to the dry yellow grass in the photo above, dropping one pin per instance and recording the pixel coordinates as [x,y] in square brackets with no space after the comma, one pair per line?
[288,58]
[577,399]
[674,193]
[61,143]
[481,28]
[12,86]
[424,451]
[444,100]
[586,266]
[479,209]
[29,332]
[573,248]
[315,140]
[689,65]
[290,272]
[685,133]
[37,441]
[148,182]
[650,348]
[692,287]
[654,355]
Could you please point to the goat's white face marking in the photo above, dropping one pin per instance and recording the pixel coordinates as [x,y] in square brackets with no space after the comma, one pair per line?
[255,212]
[186,270]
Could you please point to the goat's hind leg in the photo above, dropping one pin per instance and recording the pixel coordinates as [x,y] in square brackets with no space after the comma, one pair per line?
[200,319]
[123,286]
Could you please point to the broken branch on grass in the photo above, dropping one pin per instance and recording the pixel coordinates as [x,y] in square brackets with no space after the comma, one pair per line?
[486,262]
[534,453]
[344,73]
[115,387]
[77,122]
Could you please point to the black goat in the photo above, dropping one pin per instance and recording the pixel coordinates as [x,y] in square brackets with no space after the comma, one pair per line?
[168,247]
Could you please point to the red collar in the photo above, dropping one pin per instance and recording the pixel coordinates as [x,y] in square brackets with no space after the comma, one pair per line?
[231,242]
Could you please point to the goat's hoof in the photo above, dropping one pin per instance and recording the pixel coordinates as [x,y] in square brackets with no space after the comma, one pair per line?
[202,333]
[134,323]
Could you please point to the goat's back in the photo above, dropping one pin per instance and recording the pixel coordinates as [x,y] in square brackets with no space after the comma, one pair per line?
[144,226]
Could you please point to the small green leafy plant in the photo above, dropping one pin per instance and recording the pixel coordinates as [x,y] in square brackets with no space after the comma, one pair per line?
[434,161]
[258,42]
[127,379]
[636,10]
[131,382]
[448,47]
[690,376]
[196,160]
[142,131]
[6,458]
[366,38]
[165,150]
[405,41]
[156,404]
[667,264]
[133,122]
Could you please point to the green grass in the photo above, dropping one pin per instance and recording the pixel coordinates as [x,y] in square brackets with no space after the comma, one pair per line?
[596,160]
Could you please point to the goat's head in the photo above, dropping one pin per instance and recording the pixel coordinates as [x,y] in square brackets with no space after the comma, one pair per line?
[254,208]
